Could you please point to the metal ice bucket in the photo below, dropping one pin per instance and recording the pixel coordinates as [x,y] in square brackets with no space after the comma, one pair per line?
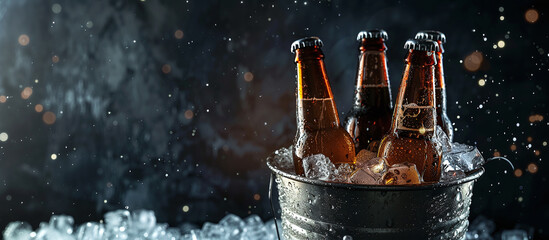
[314,209]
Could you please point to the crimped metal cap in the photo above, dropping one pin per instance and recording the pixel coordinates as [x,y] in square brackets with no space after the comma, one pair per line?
[422,45]
[306,42]
[375,33]
[431,35]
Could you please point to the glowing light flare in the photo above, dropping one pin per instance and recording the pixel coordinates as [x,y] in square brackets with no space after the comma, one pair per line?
[3,99]
[481,82]
[26,93]
[257,197]
[185,208]
[532,168]
[49,118]
[513,147]
[178,34]
[248,76]
[55,59]
[531,15]
[473,61]
[497,153]
[537,152]
[53,156]
[23,40]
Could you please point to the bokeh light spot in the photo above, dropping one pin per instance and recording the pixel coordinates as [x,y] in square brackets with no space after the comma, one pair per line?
[53,156]
[481,82]
[38,108]
[473,61]
[166,68]
[257,197]
[185,208]
[535,118]
[49,118]
[531,15]
[56,8]
[178,34]
[189,114]
[532,168]
[3,137]
[501,44]
[518,172]
[55,59]
[513,147]
[248,77]
[3,99]
[26,93]
[23,40]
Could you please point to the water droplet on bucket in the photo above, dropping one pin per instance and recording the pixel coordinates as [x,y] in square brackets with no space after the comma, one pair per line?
[347,237]
[458,197]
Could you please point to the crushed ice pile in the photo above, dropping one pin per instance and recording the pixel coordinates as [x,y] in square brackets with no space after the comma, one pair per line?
[141,225]
[457,160]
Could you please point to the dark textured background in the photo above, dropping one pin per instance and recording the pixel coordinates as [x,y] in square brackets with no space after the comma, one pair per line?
[122,138]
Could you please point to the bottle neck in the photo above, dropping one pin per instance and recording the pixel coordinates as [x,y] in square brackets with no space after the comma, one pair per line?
[316,108]
[372,75]
[415,113]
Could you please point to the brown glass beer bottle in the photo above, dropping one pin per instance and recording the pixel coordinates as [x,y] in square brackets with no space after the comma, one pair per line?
[440,86]
[370,118]
[414,118]
[318,128]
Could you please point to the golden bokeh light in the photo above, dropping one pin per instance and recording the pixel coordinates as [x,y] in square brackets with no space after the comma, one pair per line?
[185,208]
[3,99]
[497,153]
[26,93]
[537,152]
[55,59]
[23,40]
[189,114]
[518,172]
[38,108]
[501,44]
[49,118]
[473,61]
[166,68]
[535,118]
[178,34]
[481,82]
[257,197]
[532,168]
[531,15]
[248,76]
[513,147]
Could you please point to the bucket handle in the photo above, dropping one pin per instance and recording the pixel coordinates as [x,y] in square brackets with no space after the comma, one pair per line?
[272,206]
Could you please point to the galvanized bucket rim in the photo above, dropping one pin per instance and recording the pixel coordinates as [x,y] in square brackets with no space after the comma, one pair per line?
[471,176]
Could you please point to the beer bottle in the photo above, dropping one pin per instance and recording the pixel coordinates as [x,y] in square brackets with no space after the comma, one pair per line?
[370,118]
[318,128]
[414,118]
[440,86]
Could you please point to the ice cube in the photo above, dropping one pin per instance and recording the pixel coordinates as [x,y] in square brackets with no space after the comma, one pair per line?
[463,157]
[441,140]
[283,159]
[342,173]
[364,156]
[253,220]
[482,227]
[401,174]
[516,234]
[255,229]
[156,232]
[377,165]
[365,176]
[48,232]
[187,227]
[215,231]
[62,223]
[90,231]
[318,166]
[143,220]
[172,234]
[233,224]
[117,224]
[17,231]
[448,176]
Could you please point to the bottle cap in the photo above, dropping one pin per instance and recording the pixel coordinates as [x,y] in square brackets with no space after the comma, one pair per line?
[375,33]
[306,42]
[431,35]
[422,45]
